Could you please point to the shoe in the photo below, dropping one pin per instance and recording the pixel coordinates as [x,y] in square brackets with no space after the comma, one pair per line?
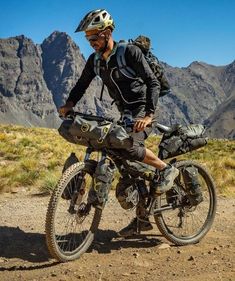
[164,179]
[132,228]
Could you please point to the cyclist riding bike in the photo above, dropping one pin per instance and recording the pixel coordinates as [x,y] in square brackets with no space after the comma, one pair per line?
[138,96]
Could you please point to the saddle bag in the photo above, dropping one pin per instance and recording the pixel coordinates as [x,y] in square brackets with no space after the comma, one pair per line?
[181,139]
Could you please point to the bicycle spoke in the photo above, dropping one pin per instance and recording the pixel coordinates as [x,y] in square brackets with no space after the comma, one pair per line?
[69,229]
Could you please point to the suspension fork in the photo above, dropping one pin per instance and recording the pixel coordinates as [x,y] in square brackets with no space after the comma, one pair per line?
[79,192]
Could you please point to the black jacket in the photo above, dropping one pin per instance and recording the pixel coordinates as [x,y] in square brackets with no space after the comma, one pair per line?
[128,93]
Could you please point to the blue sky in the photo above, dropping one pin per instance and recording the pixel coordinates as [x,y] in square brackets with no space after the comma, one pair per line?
[182,31]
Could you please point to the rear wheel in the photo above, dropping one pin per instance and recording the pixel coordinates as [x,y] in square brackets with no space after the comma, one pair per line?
[184,223]
[70,221]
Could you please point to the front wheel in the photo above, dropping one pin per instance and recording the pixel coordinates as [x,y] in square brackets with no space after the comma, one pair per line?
[70,221]
[185,223]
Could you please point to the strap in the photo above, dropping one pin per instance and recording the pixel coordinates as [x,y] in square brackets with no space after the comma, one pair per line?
[102,91]
[97,72]
[97,64]
[121,60]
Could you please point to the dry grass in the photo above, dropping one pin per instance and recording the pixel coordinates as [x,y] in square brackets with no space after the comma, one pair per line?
[34,157]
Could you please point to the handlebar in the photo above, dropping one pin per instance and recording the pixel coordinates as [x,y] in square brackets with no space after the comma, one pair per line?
[72,114]
[126,122]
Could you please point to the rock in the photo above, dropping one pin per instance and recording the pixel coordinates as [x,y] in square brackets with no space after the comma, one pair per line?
[136,255]
[191,258]
[164,246]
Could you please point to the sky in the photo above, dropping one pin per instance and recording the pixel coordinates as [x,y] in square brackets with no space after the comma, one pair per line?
[182,31]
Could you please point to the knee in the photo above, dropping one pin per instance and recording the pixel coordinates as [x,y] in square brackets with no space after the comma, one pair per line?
[136,153]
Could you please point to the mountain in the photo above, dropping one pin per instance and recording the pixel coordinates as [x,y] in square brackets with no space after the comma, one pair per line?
[221,123]
[24,96]
[197,92]
[36,79]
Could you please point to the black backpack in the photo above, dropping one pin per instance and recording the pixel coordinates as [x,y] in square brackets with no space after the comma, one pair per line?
[143,43]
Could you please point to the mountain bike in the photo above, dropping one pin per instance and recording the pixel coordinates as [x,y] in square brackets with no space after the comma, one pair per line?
[72,219]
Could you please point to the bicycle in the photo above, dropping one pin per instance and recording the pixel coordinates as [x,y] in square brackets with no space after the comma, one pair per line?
[71,222]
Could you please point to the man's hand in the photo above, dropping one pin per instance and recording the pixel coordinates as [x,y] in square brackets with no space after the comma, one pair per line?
[63,110]
[141,124]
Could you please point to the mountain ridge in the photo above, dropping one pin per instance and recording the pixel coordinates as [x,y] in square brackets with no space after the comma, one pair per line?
[35,79]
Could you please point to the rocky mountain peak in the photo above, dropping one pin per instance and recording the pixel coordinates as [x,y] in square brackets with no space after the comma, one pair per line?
[25,98]
[62,65]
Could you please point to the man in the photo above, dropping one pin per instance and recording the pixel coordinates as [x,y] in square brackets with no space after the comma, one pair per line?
[137,95]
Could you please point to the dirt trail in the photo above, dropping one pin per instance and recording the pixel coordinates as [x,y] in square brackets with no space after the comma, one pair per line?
[24,256]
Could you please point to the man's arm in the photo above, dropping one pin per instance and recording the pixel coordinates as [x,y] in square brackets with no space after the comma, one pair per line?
[80,88]
[83,82]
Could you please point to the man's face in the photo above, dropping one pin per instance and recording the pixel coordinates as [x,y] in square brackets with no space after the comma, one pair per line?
[96,39]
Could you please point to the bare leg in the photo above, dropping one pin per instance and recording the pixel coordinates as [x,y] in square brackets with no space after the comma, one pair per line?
[151,159]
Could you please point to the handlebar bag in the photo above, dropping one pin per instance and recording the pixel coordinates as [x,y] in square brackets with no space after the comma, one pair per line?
[99,133]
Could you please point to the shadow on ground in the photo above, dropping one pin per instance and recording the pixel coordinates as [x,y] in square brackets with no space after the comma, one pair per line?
[31,247]
[16,243]
[108,240]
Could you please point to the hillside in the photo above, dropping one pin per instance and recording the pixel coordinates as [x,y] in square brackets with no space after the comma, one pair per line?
[33,158]
[222,122]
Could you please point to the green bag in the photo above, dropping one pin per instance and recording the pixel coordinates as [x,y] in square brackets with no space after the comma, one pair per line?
[181,139]
[88,131]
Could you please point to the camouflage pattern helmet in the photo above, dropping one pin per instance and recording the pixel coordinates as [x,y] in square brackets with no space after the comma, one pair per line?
[97,19]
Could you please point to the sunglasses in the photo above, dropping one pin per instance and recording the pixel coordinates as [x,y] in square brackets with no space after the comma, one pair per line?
[94,37]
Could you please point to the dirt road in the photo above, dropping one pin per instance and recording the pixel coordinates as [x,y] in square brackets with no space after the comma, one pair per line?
[24,256]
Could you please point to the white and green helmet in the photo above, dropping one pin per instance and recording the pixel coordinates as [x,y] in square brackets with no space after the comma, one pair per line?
[97,19]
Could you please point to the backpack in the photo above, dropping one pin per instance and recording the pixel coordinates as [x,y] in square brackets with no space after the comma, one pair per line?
[143,43]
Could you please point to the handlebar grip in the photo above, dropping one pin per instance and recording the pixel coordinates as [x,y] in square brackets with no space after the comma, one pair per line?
[70,113]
